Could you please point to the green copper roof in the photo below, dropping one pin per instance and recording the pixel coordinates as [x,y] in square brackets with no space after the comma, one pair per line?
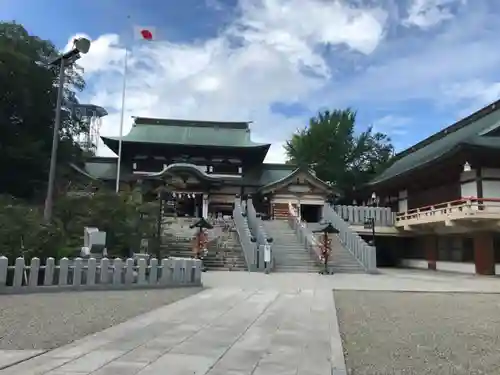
[484,141]
[185,132]
[267,173]
[103,168]
[466,131]
[264,175]
[272,173]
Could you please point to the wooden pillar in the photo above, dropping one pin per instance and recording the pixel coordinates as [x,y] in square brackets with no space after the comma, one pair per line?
[484,254]
[430,250]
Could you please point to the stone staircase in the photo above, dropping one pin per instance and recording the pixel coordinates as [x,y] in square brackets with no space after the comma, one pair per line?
[292,256]
[224,250]
[289,254]
[341,260]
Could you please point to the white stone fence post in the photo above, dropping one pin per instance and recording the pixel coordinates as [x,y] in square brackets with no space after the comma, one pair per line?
[88,274]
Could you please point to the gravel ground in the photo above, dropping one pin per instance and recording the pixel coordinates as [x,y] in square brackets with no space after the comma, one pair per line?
[46,321]
[419,333]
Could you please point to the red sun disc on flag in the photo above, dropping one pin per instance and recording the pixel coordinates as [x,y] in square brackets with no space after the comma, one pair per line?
[146,34]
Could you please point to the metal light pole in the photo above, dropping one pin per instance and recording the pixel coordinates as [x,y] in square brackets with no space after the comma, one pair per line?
[81,45]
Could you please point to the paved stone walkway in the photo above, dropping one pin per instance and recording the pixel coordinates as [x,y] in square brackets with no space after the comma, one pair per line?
[219,331]
[245,324]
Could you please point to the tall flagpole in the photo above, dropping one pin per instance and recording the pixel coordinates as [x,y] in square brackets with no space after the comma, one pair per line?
[122,115]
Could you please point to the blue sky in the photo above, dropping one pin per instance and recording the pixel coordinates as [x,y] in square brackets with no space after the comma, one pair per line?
[409,67]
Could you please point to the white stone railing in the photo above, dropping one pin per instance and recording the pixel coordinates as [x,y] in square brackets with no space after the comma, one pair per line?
[305,236]
[244,235]
[358,215]
[364,253]
[260,234]
[89,274]
[458,209]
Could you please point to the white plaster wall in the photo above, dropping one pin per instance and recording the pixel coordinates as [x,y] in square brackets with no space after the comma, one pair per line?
[305,199]
[497,269]
[415,263]
[490,172]
[403,201]
[467,268]
[491,189]
[468,189]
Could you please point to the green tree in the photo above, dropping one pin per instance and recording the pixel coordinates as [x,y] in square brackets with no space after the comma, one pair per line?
[331,147]
[27,107]
[23,231]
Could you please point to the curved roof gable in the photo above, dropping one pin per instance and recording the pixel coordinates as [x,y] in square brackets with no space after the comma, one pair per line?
[290,175]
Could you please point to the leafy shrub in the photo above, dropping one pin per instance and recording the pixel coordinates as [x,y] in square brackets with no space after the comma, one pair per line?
[23,231]
[117,214]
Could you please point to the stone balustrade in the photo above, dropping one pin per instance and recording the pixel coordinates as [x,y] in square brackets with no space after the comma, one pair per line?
[358,215]
[466,208]
[90,274]
[364,253]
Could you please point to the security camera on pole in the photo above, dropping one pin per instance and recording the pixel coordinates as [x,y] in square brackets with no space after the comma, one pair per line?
[80,46]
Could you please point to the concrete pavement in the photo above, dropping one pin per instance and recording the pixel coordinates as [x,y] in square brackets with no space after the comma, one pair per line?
[246,323]
[219,331]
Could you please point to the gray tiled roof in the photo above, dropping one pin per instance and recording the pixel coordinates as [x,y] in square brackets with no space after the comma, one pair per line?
[467,131]
[185,132]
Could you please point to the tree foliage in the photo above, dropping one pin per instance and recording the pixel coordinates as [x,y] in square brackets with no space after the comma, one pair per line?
[27,107]
[126,221]
[331,147]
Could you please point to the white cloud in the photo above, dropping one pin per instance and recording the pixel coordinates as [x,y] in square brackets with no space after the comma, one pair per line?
[472,94]
[393,126]
[273,52]
[429,13]
[270,53]
[422,67]
[104,55]
[476,90]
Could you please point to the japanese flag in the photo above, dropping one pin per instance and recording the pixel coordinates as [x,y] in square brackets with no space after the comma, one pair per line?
[145,33]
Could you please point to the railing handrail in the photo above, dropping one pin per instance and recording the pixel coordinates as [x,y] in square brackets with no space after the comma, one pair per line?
[255,224]
[244,234]
[304,233]
[357,215]
[91,273]
[352,242]
[464,201]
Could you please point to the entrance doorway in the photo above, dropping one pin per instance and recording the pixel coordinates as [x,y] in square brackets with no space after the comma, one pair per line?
[311,213]
[189,205]
[222,208]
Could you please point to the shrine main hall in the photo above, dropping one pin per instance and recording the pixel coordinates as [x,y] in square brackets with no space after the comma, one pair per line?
[205,165]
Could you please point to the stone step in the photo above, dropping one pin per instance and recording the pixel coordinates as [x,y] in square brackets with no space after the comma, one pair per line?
[296,269]
[342,270]
[294,262]
[290,250]
[302,255]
